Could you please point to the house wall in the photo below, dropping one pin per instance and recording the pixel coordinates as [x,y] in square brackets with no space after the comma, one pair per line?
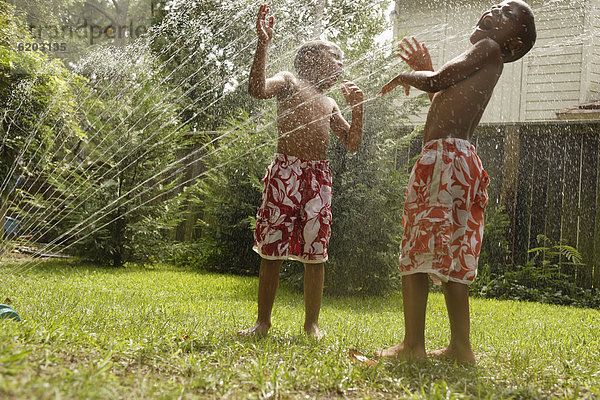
[562,70]
[595,51]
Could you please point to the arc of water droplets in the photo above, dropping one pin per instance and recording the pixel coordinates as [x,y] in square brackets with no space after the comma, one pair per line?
[125,144]
[22,268]
[99,130]
[31,135]
[149,149]
[82,103]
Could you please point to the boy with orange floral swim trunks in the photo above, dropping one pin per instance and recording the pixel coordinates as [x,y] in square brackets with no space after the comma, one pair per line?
[294,219]
[446,195]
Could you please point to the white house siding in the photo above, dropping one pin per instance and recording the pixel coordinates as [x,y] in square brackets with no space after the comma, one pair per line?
[554,69]
[595,52]
[561,71]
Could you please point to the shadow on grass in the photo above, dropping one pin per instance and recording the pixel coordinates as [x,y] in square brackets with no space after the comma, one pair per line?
[439,378]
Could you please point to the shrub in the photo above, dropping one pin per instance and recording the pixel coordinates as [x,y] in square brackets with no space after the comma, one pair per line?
[229,193]
[38,119]
[539,280]
[110,199]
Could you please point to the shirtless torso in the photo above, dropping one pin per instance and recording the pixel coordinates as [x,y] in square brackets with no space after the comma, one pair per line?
[304,119]
[457,110]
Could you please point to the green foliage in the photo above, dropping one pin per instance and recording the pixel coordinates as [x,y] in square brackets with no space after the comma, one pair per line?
[112,202]
[229,194]
[367,211]
[37,99]
[551,254]
[494,248]
[207,49]
[541,279]
[38,118]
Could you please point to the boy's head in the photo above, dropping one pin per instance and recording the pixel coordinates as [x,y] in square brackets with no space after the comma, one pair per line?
[319,62]
[511,25]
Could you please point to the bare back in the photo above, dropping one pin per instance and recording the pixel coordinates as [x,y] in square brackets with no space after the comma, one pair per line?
[456,110]
[304,120]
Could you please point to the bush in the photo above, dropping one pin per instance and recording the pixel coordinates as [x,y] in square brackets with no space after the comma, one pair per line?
[540,280]
[39,117]
[110,200]
[494,247]
[367,215]
[229,193]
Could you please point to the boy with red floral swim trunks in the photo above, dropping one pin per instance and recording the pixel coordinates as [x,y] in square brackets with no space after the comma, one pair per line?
[446,195]
[294,219]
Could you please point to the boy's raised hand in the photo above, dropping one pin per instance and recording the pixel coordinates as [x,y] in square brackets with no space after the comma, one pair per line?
[415,54]
[264,28]
[352,93]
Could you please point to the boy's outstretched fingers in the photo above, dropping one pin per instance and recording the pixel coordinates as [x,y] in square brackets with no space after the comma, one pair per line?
[388,87]
[264,28]
[415,55]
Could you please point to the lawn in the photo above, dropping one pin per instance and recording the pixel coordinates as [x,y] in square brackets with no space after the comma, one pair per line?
[161,332]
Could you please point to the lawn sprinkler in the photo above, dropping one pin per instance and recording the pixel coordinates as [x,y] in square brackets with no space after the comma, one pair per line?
[8,312]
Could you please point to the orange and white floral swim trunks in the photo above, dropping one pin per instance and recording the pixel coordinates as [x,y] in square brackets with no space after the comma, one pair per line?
[294,220]
[443,213]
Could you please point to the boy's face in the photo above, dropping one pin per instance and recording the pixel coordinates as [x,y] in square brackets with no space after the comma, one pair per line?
[327,66]
[502,23]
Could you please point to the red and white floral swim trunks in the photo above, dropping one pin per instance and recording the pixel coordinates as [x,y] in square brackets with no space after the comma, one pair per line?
[443,213]
[294,220]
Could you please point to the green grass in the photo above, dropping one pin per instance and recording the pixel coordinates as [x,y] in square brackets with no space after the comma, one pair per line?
[90,332]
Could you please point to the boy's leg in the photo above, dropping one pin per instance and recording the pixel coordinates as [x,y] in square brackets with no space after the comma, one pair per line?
[314,275]
[268,280]
[415,289]
[457,302]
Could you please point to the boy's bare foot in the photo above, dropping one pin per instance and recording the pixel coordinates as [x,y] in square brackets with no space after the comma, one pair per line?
[260,329]
[314,332]
[465,356]
[400,352]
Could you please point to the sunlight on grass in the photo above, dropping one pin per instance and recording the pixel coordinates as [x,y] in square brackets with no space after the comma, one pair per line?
[163,332]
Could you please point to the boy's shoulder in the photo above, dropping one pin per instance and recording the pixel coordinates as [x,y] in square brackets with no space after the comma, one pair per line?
[488,48]
[288,82]
[287,76]
[483,52]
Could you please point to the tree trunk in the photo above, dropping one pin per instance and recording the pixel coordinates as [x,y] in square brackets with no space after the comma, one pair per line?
[121,12]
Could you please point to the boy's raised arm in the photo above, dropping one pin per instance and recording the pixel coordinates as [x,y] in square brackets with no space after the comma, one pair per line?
[416,55]
[258,84]
[481,53]
[349,134]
